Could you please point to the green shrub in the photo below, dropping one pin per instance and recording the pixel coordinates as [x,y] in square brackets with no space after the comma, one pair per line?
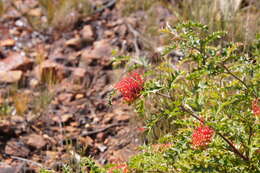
[200,105]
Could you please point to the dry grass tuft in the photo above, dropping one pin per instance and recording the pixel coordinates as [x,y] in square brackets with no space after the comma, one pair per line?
[21,101]
[64,14]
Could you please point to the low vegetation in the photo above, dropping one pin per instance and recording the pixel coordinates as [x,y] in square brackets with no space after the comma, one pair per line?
[203,107]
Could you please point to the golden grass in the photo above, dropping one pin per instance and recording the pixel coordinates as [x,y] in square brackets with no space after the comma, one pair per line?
[63,14]
[2,9]
[21,102]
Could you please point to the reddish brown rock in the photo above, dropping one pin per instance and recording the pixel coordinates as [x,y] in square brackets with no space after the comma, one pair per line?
[74,42]
[7,43]
[101,49]
[16,148]
[79,75]
[15,61]
[10,76]
[65,97]
[123,118]
[101,137]
[63,118]
[35,140]
[87,33]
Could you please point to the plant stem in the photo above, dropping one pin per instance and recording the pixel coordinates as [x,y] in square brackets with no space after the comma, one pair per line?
[237,78]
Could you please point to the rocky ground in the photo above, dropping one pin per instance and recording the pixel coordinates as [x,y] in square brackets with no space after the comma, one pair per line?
[55,86]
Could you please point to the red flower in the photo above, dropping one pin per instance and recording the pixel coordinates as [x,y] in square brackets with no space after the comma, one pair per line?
[255,107]
[130,86]
[202,136]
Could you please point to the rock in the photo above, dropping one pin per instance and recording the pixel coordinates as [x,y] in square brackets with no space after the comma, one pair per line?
[74,42]
[34,83]
[52,155]
[101,49]
[87,34]
[101,136]
[64,118]
[108,118]
[7,43]
[16,148]
[35,12]
[123,118]
[79,96]
[79,74]
[65,97]
[86,141]
[5,168]
[102,148]
[35,140]
[10,76]
[15,61]
[109,34]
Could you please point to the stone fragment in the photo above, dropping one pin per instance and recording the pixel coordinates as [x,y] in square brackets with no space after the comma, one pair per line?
[86,141]
[79,96]
[36,141]
[101,49]
[35,12]
[87,33]
[5,168]
[10,76]
[123,118]
[65,97]
[102,148]
[64,118]
[74,42]
[15,61]
[101,137]
[79,73]
[33,83]
[16,148]
[7,43]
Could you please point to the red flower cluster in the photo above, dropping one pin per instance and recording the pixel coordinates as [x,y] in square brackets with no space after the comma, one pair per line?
[130,86]
[255,107]
[202,136]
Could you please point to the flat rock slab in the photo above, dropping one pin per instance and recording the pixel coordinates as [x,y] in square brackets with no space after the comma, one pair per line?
[15,61]
[35,140]
[10,76]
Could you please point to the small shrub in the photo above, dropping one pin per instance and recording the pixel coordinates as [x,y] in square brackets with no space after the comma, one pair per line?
[203,104]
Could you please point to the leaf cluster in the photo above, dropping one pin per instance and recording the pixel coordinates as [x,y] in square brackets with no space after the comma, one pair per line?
[215,84]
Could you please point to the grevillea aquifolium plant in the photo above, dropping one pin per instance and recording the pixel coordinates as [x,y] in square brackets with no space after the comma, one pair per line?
[201,99]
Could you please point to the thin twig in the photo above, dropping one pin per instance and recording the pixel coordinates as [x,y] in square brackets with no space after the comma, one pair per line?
[233,147]
[249,138]
[188,109]
[102,129]
[28,161]
[237,78]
